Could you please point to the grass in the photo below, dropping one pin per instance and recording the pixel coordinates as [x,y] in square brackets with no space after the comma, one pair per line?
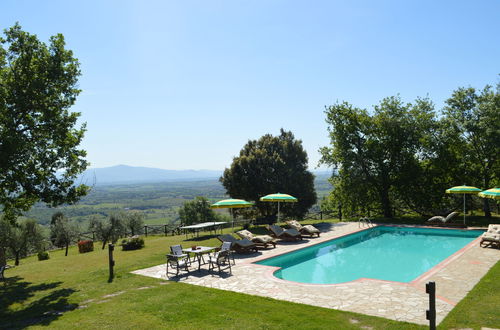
[74,291]
[480,307]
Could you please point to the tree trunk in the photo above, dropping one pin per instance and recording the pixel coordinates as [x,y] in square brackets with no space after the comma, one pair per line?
[17,259]
[66,254]
[386,203]
[3,258]
[103,244]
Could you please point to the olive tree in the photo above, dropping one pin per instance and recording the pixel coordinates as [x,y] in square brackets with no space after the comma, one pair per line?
[62,232]
[196,211]
[110,229]
[134,222]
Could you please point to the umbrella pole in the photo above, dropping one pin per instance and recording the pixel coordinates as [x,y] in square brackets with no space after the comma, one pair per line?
[464,209]
[278,211]
[232,218]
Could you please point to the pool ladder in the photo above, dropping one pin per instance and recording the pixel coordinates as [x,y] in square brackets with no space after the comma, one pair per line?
[364,222]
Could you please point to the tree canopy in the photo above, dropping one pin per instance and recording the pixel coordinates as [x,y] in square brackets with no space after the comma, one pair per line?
[39,139]
[268,165]
[473,118]
[404,156]
[63,233]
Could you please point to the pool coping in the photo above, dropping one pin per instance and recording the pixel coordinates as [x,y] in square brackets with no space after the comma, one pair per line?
[414,283]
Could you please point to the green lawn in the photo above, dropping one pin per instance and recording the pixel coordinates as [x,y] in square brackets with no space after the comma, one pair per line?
[37,291]
[480,308]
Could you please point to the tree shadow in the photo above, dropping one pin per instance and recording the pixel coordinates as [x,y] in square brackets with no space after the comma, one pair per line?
[38,312]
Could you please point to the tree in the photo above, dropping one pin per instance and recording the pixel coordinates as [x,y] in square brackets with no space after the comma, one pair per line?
[269,165]
[376,156]
[196,211]
[5,227]
[22,238]
[109,230]
[62,232]
[134,221]
[473,119]
[40,158]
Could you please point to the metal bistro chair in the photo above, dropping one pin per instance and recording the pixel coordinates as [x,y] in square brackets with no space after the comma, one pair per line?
[226,246]
[177,250]
[221,259]
[177,260]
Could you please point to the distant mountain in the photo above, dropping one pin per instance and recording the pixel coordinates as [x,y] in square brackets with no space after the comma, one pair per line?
[123,174]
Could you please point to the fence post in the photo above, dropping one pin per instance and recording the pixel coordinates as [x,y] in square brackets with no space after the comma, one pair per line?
[111,247]
[321,215]
[430,288]
[165,228]
[146,230]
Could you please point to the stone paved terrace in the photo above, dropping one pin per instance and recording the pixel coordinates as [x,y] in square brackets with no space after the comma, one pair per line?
[454,278]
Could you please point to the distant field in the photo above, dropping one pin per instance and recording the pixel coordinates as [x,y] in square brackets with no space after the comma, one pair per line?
[159,202]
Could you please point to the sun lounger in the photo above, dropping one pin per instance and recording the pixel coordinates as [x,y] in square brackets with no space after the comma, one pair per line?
[442,221]
[309,230]
[491,237]
[286,235]
[260,240]
[238,245]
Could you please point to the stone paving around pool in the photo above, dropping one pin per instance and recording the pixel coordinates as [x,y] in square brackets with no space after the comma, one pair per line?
[454,278]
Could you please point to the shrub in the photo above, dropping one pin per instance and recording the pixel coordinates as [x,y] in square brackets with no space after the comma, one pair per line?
[85,246]
[132,243]
[43,255]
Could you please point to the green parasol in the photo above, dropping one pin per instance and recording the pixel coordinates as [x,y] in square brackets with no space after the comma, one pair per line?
[278,198]
[493,193]
[463,190]
[231,204]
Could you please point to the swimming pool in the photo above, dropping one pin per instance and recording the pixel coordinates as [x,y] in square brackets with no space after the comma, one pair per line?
[386,253]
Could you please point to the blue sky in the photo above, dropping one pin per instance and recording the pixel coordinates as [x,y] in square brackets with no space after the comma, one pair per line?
[185,84]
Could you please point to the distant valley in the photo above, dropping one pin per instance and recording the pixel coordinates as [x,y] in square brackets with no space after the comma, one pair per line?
[124,174]
[156,192]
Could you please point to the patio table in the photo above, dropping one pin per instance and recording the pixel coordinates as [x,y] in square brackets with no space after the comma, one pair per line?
[195,229]
[198,252]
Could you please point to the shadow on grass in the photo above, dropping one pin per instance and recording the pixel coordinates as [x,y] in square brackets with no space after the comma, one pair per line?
[38,312]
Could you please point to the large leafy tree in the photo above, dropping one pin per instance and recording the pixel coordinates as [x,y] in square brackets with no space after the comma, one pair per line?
[472,120]
[376,155]
[39,137]
[269,165]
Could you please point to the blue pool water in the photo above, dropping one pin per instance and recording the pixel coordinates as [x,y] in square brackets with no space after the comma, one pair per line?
[384,253]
